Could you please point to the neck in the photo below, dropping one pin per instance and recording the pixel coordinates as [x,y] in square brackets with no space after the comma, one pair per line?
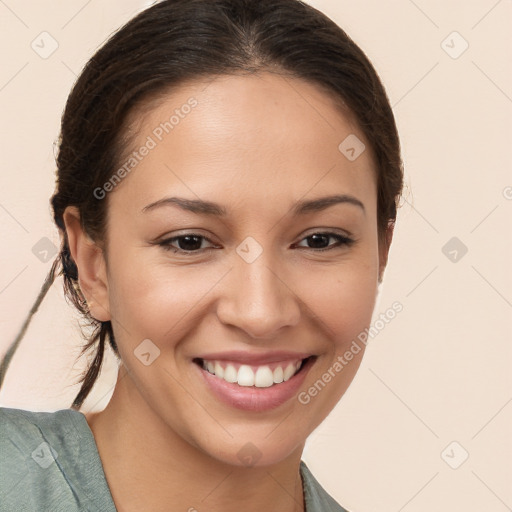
[149,466]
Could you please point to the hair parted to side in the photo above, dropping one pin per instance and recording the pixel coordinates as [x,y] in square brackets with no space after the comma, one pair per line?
[176,41]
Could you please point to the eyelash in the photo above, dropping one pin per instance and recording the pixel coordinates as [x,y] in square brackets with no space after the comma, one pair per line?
[342,240]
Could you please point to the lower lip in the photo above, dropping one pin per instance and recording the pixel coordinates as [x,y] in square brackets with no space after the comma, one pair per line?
[251,398]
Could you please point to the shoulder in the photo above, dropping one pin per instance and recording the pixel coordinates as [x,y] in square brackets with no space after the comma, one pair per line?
[22,431]
[45,458]
[317,499]
[23,434]
[30,443]
[22,421]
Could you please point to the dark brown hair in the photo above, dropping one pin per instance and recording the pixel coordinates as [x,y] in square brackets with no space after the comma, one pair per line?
[176,41]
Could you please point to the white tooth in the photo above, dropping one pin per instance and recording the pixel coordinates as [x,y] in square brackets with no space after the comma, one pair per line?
[264,377]
[289,371]
[245,376]
[210,367]
[278,375]
[219,371]
[297,366]
[230,373]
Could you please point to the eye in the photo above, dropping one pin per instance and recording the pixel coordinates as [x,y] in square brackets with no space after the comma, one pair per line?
[320,241]
[190,243]
[186,244]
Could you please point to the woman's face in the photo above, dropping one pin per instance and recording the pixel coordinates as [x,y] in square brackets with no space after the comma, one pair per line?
[272,276]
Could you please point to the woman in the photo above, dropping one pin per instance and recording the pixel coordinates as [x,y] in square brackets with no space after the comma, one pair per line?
[228,175]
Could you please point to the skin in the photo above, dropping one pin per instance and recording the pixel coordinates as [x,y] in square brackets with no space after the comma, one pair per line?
[256,145]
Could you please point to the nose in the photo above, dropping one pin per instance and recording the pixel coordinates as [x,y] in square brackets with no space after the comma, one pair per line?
[258,299]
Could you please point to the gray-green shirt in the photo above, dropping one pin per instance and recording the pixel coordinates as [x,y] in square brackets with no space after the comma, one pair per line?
[50,463]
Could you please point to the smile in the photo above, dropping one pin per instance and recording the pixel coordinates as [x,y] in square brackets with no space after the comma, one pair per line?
[255,386]
[260,376]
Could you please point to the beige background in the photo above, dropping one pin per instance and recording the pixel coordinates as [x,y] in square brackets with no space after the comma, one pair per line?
[440,371]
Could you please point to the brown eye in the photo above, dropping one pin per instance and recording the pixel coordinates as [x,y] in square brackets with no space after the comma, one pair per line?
[190,242]
[320,241]
[187,243]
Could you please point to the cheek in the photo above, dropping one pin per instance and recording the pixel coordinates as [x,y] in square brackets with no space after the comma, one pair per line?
[156,300]
[342,299]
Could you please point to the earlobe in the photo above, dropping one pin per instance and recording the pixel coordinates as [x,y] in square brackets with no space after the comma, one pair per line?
[384,246]
[90,262]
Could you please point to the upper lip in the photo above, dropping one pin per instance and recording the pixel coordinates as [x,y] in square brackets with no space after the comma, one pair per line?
[254,358]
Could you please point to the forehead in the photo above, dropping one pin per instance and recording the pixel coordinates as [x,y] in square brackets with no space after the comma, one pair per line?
[249,138]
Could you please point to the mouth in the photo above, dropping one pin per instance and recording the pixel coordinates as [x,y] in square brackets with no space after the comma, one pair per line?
[259,376]
[254,387]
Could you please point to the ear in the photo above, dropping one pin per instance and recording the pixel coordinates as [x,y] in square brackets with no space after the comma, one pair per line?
[384,246]
[90,261]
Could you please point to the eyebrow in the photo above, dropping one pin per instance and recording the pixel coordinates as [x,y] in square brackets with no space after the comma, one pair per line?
[209,208]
